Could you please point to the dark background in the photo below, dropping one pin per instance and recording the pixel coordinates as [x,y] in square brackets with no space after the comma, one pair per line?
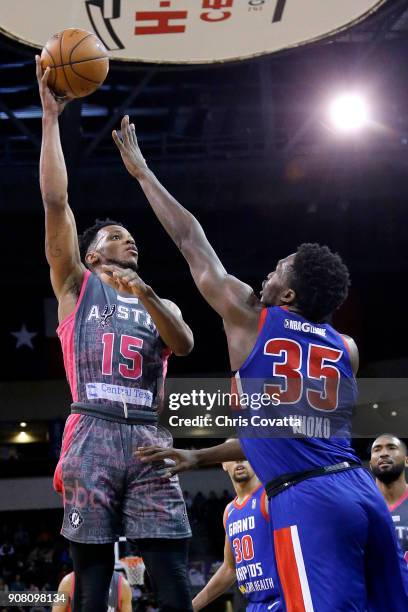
[246,147]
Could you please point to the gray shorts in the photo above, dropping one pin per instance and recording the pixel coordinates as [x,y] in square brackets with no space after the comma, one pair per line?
[108,492]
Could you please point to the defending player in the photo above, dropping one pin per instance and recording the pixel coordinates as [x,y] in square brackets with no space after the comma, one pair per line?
[334,540]
[116,336]
[389,458]
[120,594]
[248,557]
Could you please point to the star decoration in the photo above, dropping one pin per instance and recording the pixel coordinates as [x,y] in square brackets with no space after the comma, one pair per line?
[24,337]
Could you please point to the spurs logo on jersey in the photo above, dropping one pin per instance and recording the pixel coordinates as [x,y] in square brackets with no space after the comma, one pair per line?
[107,314]
[112,349]
[122,312]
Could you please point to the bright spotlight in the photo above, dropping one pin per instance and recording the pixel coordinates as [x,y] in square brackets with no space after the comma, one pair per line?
[349,112]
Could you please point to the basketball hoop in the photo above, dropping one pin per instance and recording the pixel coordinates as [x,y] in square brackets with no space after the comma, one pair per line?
[134,568]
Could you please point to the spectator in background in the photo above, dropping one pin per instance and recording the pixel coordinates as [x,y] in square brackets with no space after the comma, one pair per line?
[18,584]
[7,549]
[21,538]
[225,499]
[3,586]
[389,458]
[188,501]
[199,504]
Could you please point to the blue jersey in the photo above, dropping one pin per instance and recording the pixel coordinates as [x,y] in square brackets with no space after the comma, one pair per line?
[249,533]
[306,368]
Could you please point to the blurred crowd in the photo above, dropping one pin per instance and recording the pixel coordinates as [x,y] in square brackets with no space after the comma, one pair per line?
[35,557]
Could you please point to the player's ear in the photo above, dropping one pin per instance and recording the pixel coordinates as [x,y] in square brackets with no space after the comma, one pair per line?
[406,461]
[92,258]
[288,297]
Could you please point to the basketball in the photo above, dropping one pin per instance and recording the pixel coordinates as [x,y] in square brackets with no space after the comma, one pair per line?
[78,63]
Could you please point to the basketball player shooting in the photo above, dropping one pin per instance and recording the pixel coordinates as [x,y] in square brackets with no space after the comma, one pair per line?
[334,540]
[116,337]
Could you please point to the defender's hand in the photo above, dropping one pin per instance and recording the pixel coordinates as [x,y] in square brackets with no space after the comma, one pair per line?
[183,459]
[125,280]
[50,103]
[129,148]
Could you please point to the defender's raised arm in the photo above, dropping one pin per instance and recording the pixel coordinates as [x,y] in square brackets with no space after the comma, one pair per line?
[231,298]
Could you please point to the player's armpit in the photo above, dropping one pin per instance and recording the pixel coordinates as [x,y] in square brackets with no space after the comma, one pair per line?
[61,248]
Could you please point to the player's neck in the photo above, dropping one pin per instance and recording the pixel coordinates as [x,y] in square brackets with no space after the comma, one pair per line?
[393,491]
[244,489]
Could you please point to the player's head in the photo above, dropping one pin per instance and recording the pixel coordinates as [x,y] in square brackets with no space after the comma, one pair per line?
[108,242]
[239,471]
[314,280]
[389,458]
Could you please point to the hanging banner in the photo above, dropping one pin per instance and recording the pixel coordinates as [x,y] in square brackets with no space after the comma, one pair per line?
[185,31]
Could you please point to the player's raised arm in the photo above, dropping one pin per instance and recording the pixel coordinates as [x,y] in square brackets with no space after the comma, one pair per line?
[61,245]
[231,298]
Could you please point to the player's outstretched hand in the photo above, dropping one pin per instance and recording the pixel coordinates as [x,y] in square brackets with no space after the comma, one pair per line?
[183,459]
[50,103]
[129,149]
[124,279]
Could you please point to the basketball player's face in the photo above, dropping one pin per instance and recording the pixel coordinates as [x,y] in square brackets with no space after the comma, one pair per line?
[276,283]
[115,245]
[239,471]
[388,459]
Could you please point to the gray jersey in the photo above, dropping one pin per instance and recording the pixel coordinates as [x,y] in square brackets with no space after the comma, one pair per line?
[399,513]
[112,350]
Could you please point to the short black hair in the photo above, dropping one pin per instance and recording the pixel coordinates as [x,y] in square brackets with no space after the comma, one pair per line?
[391,435]
[320,280]
[88,236]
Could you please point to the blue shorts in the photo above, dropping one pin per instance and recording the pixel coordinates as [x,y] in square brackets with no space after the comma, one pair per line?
[265,606]
[336,547]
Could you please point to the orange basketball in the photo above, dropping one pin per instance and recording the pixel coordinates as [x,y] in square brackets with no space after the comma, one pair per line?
[78,61]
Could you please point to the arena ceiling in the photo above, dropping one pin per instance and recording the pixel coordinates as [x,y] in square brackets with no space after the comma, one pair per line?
[272,105]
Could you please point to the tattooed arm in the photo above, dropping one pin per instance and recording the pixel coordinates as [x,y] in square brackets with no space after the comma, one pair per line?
[61,242]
